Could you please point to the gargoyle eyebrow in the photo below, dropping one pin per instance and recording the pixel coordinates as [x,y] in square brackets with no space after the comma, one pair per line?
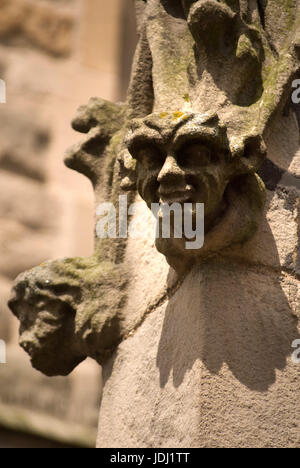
[137,142]
[205,137]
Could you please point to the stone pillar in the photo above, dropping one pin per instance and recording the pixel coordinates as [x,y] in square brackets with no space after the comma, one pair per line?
[210,363]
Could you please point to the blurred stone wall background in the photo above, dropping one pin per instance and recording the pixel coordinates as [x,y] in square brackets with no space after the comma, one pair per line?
[54,55]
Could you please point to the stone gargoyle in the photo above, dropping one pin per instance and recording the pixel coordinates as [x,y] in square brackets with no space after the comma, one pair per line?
[208,78]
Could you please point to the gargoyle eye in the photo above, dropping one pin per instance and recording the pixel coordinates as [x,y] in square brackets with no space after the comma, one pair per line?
[194,155]
[149,156]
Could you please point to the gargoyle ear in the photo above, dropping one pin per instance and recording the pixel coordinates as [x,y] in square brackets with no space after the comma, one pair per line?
[127,170]
[249,155]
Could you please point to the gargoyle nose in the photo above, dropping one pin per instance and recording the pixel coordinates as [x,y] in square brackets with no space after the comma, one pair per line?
[17,295]
[170,173]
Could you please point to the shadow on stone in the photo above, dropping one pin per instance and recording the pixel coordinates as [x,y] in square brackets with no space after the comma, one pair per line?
[229,314]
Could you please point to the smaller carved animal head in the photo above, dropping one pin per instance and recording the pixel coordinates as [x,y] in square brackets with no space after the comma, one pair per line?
[46,317]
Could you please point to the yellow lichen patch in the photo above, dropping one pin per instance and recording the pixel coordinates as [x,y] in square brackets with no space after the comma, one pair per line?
[178,114]
[162,115]
[186,97]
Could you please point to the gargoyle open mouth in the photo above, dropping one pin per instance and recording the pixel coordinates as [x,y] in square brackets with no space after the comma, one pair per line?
[176,196]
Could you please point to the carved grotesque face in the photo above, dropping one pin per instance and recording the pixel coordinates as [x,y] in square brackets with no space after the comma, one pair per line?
[46,326]
[58,306]
[186,158]
[40,329]
[182,160]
